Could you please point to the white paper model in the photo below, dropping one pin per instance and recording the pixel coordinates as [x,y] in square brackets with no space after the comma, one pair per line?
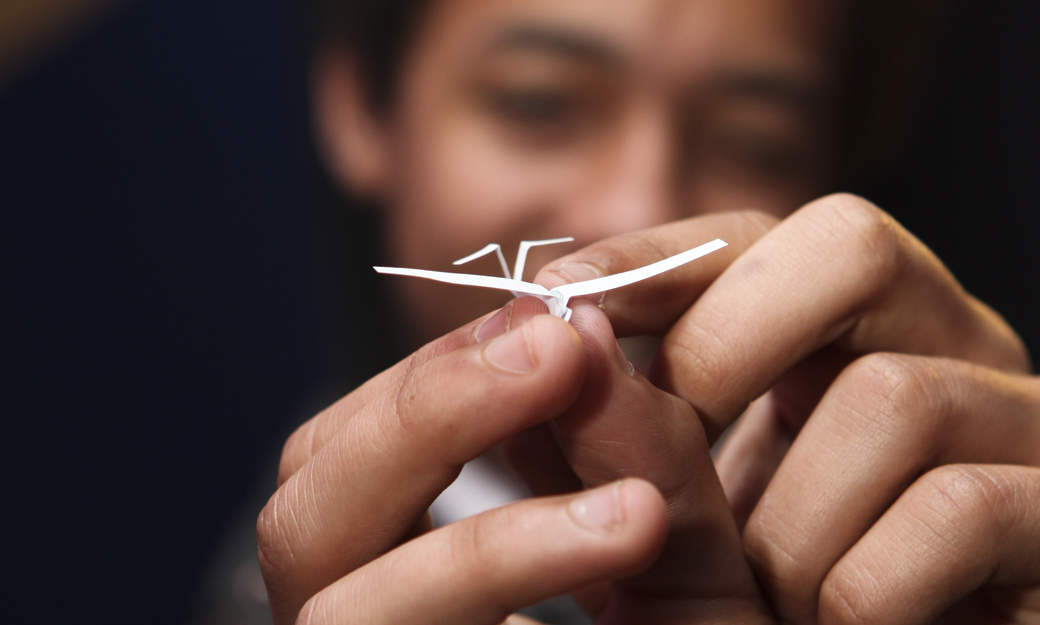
[557,298]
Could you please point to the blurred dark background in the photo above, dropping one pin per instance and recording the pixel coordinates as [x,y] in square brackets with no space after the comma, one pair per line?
[160,329]
[967,183]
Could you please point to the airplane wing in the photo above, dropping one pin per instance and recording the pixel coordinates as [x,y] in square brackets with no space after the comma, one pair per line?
[557,298]
[625,278]
[467,279]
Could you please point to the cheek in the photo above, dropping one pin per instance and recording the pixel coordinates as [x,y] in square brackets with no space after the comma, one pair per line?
[456,191]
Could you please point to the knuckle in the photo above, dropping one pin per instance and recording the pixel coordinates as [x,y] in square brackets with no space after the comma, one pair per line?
[948,511]
[408,406]
[629,251]
[855,225]
[425,406]
[696,356]
[276,527]
[699,349]
[958,499]
[849,596]
[779,565]
[616,253]
[643,246]
[667,465]
[273,549]
[892,393]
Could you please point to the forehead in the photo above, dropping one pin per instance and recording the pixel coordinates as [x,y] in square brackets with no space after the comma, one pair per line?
[663,37]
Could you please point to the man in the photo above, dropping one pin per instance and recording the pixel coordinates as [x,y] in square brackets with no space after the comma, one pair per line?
[519,120]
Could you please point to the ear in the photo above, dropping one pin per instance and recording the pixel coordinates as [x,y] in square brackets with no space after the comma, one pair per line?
[351,140]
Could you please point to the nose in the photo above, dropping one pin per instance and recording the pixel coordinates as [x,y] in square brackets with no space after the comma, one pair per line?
[630,184]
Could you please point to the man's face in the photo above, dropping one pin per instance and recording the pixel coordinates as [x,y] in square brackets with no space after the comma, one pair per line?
[528,119]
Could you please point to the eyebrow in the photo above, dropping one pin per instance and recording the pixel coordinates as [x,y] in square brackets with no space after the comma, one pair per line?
[557,41]
[793,93]
[801,96]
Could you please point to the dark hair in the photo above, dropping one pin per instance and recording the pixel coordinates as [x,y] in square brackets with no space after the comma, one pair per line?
[359,322]
[892,49]
[378,32]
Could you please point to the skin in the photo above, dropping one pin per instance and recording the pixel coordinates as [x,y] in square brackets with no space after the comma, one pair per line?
[910,494]
[538,119]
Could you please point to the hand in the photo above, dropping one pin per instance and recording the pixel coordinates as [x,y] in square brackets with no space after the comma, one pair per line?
[621,425]
[356,480]
[912,492]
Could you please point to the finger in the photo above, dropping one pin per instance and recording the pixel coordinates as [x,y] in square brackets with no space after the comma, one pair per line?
[838,271]
[887,419]
[758,442]
[536,456]
[334,514]
[750,456]
[313,434]
[481,569]
[956,529]
[651,306]
[621,425]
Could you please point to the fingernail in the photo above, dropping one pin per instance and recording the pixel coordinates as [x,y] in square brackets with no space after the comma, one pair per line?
[626,364]
[599,510]
[511,352]
[579,272]
[495,325]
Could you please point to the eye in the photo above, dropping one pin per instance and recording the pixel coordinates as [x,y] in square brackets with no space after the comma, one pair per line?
[754,151]
[534,107]
[541,118]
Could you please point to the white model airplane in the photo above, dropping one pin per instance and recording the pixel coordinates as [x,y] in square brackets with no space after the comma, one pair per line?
[557,298]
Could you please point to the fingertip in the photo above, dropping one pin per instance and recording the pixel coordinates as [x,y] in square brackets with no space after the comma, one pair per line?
[599,510]
[630,505]
[592,324]
[554,341]
[523,346]
[646,520]
[514,314]
[569,272]
[628,518]
[525,308]
[536,368]
[645,504]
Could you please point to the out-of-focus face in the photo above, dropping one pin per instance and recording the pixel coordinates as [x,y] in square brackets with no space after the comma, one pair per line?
[527,119]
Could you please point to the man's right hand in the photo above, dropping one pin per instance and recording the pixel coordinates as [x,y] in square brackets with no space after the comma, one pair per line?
[355,483]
